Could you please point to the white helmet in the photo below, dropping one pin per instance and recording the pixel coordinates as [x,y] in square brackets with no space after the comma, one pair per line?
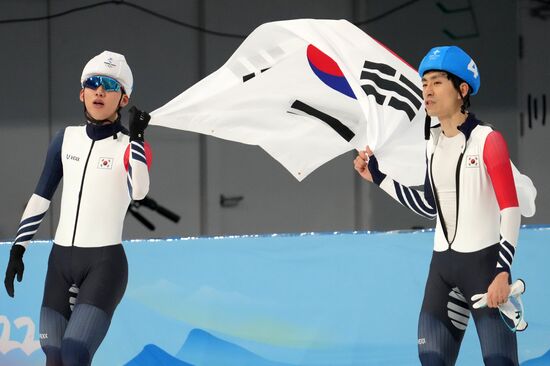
[110,64]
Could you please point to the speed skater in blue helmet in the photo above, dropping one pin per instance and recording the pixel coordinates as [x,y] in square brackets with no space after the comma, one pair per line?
[469,190]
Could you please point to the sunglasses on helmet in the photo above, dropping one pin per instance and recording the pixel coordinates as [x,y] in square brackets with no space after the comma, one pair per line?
[109,84]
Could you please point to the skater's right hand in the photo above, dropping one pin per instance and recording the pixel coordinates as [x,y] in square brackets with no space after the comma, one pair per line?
[360,164]
[367,166]
[15,267]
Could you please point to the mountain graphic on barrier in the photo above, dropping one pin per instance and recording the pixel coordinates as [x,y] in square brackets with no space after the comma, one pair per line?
[152,355]
[203,349]
[543,360]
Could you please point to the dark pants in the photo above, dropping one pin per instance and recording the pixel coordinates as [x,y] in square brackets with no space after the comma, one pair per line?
[83,288]
[453,279]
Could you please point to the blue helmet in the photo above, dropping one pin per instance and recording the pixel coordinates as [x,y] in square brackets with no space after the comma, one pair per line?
[454,60]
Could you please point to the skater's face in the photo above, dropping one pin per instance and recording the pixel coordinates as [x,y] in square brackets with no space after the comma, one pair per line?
[101,104]
[440,96]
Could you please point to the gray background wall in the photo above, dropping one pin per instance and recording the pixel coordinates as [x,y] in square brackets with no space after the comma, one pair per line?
[42,60]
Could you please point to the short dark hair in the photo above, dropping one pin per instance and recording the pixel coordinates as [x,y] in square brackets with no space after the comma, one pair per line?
[456,83]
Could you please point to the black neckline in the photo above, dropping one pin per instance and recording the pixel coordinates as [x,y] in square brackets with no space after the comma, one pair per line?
[468,126]
[100,132]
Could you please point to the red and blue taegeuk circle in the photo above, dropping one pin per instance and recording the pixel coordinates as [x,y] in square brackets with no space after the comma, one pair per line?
[328,71]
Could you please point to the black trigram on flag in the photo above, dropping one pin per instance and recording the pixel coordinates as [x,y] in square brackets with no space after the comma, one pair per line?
[390,82]
[301,108]
[251,75]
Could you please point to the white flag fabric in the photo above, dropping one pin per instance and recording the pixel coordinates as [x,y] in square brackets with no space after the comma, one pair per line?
[527,193]
[307,91]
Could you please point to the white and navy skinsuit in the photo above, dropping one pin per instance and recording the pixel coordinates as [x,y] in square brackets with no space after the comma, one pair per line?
[87,270]
[469,188]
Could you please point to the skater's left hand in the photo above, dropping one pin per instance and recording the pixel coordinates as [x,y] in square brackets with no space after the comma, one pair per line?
[138,122]
[498,291]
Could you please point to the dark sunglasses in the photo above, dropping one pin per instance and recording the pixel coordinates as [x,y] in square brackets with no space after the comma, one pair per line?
[109,84]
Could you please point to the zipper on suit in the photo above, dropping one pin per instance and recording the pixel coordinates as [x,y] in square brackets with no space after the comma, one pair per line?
[434,189]
[80,191]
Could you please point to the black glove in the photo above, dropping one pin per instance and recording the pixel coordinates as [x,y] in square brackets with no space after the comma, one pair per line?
[138,123]
[15,267]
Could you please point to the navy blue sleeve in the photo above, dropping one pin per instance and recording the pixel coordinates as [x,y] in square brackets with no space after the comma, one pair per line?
[377,175]
[53,169]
